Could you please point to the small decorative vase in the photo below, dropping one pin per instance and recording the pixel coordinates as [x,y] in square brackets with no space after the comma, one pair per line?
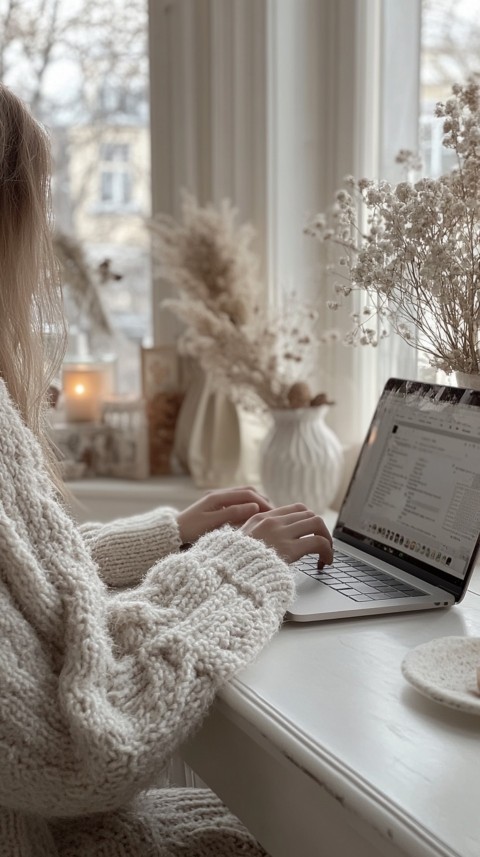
[464,379]
[217,441]
[302,459]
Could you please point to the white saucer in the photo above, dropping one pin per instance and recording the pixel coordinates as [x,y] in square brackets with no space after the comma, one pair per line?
[445,670]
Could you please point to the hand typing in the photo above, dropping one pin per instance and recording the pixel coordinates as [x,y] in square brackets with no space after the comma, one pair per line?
[292,531]
[231,506]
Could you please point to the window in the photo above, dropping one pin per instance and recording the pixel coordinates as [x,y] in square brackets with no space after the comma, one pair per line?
[83,68]
[114,152]
[426,47]
[450,42]
[115,177]
[115,188]
[269,104]
[450,51]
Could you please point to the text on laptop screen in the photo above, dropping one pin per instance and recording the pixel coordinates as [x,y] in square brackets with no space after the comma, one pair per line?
[416,489]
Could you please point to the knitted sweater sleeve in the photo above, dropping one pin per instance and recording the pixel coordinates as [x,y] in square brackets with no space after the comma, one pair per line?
[126,548]
[100,687]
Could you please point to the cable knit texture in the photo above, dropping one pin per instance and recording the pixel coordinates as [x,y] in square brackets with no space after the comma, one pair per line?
[112,647]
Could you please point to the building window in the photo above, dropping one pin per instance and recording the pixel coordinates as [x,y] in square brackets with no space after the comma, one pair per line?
[115,176]
[114,152]
[115,188]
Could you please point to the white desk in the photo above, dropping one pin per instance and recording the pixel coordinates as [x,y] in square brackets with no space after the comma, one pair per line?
[321,747]
[324,750]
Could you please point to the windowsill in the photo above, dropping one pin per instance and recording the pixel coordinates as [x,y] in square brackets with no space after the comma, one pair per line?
[103,499]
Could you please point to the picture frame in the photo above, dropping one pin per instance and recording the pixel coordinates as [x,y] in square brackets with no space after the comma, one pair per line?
[160,370]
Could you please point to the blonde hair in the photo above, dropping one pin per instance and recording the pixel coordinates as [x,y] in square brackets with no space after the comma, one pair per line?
[32,326]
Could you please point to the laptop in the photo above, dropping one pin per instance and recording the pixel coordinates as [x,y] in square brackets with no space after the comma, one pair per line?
[408,531]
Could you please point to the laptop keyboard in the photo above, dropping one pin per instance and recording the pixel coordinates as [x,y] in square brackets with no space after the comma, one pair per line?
[356,579]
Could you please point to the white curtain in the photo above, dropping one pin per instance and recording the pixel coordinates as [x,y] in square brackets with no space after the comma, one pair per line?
[271,103]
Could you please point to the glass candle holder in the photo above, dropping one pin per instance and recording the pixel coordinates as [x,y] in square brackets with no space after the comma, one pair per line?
[85,385]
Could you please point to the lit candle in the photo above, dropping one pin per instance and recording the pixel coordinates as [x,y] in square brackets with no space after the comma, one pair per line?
[84,388]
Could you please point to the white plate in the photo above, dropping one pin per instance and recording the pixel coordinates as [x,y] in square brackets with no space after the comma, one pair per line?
[445,670]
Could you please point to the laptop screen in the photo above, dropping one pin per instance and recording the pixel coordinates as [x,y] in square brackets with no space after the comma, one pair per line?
[415,492]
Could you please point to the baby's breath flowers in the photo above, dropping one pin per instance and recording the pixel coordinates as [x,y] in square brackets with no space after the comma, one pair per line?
[258,357]
[417,261]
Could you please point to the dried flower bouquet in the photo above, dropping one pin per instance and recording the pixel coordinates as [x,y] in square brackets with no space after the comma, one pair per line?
[418,261]
[254,355]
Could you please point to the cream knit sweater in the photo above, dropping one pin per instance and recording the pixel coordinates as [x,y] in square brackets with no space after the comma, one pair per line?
[112,646]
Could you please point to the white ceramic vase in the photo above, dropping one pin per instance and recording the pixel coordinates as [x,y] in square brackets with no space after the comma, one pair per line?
[464,379]
[218,442]
[302,459]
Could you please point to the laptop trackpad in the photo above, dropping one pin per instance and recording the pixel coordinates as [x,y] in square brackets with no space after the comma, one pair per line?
[313,597]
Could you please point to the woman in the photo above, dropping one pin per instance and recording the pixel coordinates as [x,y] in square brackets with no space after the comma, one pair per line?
[113,641]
